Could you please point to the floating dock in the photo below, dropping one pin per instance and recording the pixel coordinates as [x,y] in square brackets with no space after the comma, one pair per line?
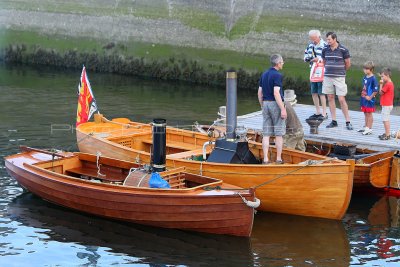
[338,134]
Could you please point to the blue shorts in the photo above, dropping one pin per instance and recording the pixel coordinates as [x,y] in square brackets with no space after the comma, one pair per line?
[316,88]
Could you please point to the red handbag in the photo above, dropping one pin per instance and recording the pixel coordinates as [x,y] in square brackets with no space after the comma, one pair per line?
[317,72]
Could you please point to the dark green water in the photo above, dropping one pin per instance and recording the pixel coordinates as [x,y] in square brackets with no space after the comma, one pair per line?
[38,107]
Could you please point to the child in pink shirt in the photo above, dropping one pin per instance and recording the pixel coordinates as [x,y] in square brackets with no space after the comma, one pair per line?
[386,90]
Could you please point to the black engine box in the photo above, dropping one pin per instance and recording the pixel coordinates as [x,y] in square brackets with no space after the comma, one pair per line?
[232,152]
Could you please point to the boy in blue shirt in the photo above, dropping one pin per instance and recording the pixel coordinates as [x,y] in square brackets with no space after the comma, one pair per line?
[367,100]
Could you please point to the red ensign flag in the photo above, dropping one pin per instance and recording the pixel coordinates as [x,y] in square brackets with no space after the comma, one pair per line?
[86,102]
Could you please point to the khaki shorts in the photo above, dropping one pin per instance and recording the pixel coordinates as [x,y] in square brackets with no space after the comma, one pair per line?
[332,85]
[386,112]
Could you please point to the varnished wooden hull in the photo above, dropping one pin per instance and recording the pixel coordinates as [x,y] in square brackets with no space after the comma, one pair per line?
[192,210]
[323,190]
[371,172]
[318,191]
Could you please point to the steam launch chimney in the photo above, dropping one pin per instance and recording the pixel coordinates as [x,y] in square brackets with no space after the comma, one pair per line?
[231,105]
[232,149]
[159,147]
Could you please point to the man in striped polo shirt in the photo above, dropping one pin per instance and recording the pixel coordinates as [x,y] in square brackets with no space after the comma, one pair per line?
[336,58]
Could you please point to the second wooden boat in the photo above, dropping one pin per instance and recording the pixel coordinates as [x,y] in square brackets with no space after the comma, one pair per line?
[372,168]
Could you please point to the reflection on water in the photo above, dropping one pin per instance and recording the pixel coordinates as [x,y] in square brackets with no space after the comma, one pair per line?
[293,240]
[274,240]
[139,244]
[38,107]
[373,222]
[386,212]
[35,228]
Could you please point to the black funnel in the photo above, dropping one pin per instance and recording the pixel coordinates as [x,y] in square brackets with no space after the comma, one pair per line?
[232,150]
[159,148]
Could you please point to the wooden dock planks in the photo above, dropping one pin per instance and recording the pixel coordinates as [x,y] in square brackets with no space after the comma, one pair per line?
[338,134]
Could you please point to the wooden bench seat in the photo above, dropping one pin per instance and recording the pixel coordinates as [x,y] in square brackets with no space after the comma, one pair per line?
[178,145]
[111,177]
[176,181]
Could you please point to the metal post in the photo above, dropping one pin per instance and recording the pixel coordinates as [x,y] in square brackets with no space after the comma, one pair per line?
[159,145]
[231,105]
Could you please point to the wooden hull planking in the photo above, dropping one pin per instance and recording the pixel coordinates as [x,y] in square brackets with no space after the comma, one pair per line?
[197,210]
[370,172]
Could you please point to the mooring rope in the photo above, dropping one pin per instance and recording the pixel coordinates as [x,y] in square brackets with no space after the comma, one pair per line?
[304,165]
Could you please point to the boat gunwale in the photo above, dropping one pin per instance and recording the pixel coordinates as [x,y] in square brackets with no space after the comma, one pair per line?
[127,187]
[34,167]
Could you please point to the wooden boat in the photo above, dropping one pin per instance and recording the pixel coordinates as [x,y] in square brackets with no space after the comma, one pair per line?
[372,168]
[320,190]
[106,187]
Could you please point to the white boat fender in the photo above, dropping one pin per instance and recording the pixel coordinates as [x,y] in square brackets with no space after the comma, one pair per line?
[252,204]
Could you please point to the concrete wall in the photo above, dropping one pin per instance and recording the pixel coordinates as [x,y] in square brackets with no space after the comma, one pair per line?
[382,48]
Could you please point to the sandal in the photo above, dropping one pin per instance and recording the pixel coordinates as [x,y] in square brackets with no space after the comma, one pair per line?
[279,162]
[266,162]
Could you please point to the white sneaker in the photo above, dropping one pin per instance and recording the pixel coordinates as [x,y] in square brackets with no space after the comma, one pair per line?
[367,131]
[362,129]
